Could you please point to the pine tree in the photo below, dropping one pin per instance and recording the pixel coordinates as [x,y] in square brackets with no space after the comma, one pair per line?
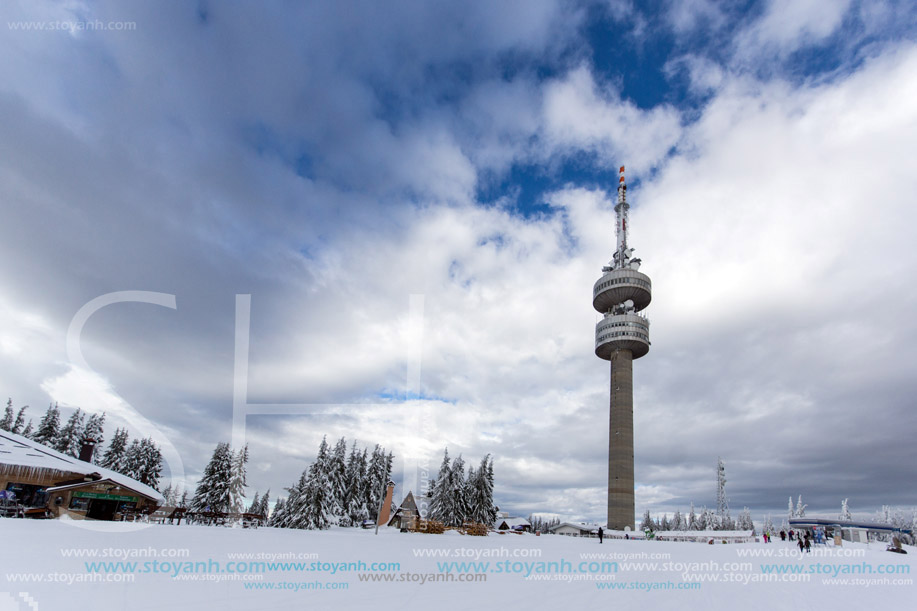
[184,501]
[440,491]
[263,507]
[255,504]
[20,420]
[647,523]
[238,481]
[337,475]
[6,423]
[94,431]
[49,427]
[678,522]
[27,431]
[845,511]
[212,493]
[144,462]
[459,500]
[377,475]
[692,519]
[278,515]
[167,494]
[791,513]
[68,439]
[800,508]
[115,457]
[309,503]
[480,493]
[768,524]
[356,494]
[722,503]
[745,522]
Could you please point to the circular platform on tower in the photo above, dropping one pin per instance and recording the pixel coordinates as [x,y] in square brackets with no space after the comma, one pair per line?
[622,332]
[619,285]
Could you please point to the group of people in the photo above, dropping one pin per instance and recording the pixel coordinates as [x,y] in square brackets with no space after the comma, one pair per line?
[803,539]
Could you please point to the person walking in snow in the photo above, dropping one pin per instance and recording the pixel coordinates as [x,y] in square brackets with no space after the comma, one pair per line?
[783,535]
[808,544]
[601,532]
[800,544]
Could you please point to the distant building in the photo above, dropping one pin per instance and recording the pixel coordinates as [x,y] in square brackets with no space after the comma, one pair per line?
[411,509]
[572,529]
[38,477]
[850,530]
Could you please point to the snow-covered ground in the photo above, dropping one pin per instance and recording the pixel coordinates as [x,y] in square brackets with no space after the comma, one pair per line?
[60,565]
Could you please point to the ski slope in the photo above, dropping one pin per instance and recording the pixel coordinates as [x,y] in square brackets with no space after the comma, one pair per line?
[65,565]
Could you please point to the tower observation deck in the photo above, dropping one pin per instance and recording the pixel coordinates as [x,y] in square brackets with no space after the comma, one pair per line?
[620,337]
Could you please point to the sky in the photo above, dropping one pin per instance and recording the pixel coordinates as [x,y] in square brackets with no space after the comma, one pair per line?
[416,197]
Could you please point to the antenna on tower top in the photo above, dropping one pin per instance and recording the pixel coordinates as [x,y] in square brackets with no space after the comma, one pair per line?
[622,253]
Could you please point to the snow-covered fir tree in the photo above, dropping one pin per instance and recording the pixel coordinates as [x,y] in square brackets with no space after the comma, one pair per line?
[278,515]
[264,508]
[309,505]
[678,522]
[255,504]
[20,420]
[337,476]
[692,518]
[27,431]
[115,457]
[745,522]
[459,500]
[722,503]
[768,525]
[238,480]
[378,473]
[709,520]
[648,523]
[94,431]
[168,494]
[800,508]
[440,492]
[790,510]
[355,495]
[48,427]
[6,423]
[68,439]
[144,462]
[845,510]
[480,485]
[212,493]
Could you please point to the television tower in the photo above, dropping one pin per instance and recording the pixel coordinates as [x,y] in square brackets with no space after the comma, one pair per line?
[620,337]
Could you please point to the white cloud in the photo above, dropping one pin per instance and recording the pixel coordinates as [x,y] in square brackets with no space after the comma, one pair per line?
[788,25]
[580,116]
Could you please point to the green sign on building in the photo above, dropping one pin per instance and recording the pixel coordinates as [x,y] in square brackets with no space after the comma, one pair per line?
[107,497]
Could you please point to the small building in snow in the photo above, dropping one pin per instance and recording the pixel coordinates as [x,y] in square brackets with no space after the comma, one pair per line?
[411,509]
[37,477]
[572,529]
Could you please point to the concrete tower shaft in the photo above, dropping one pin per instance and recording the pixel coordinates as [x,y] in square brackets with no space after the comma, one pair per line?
[620,337]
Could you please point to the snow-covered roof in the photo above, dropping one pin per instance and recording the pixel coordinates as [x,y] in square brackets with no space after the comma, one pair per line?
[22,451]
[511,522]
[710,534]
[862,524]
[580,526]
